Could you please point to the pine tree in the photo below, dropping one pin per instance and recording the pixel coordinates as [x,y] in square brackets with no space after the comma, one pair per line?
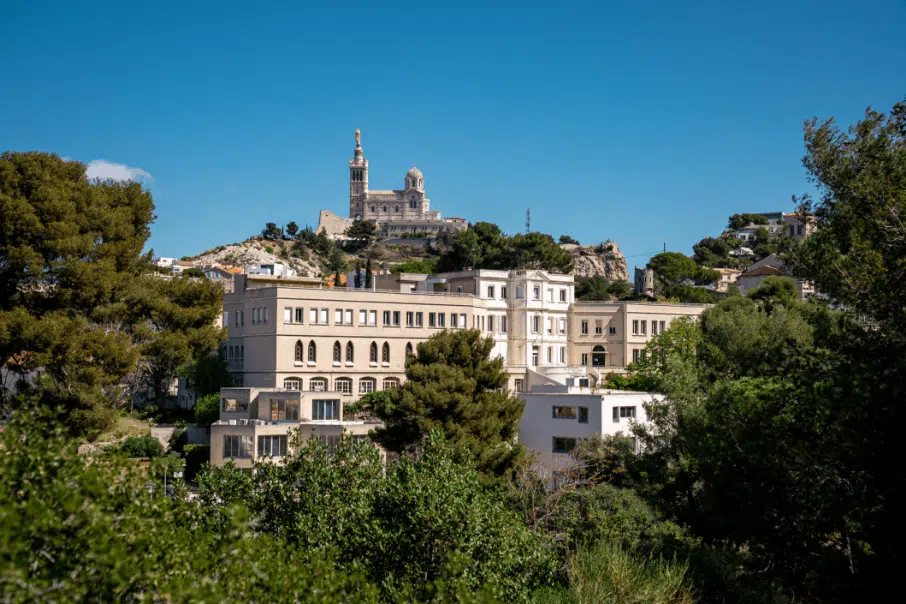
[369,280]
[454,386]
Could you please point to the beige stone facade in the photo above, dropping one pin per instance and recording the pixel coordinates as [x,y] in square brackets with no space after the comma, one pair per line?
[398,213]
[608,336]
[266,423]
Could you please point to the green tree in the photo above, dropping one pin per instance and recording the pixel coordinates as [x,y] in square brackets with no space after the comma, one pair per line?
[593,289]
[369,278]
[70,250]
[426,266]
[193,272]
[207,409]
[740,221]
[336,260]
[206,374]
[271,231]
[362,230]
[453,385]
[292,229]
[538,250]
[711,252]
[566,239]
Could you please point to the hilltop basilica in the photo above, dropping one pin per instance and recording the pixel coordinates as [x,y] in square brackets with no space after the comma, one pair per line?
[398,213]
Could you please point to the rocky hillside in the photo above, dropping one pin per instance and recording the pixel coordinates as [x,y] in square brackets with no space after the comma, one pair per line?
[603,260]
[259,251]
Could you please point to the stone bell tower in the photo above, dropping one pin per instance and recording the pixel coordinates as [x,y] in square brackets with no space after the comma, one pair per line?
[358,179]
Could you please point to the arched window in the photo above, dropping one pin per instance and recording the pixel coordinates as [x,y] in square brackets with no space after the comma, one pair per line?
[317,384]
[373,356]
[337,352]
[299,349]
[367,384]
[312,352]
[349,352]
[343,384]
[597,356]
[413,204]
[385,208]
[292,383]
[391,383]
[385,353]
[409,352]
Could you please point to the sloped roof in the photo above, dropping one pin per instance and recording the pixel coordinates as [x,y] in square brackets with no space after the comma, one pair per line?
[763,270]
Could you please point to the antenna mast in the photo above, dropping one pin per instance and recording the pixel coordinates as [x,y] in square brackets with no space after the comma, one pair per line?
[528,221]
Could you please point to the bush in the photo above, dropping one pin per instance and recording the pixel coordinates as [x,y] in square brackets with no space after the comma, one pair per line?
[142,446]
[197,457]
[268,249]
[178,440]
[207,410]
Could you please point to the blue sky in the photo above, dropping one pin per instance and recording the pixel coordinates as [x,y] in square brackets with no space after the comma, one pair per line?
[643,122]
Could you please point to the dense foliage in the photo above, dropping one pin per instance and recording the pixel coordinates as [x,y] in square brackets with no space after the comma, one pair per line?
[484,245]
[599,289]
[84,321]
[454,386]
[362,230]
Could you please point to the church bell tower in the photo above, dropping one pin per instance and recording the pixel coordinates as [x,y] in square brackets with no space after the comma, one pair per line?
[358,179]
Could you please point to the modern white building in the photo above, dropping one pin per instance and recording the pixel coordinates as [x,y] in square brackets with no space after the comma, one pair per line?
[557,417]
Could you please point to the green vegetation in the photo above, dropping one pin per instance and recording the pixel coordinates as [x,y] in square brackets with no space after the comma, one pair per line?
[292,229]
[483,245]
[142,446]
[599,289]
[566,239]
[452,385]
[80,302]
[427,266]
[362,230]
[740,221]
[271,232]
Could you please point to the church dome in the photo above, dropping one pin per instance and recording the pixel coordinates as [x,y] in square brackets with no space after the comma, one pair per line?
[415,174]
[414,179]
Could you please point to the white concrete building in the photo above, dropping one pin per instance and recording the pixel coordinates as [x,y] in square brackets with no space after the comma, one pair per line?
[558,417]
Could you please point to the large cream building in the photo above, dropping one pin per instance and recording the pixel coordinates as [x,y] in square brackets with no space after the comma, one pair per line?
[291,339]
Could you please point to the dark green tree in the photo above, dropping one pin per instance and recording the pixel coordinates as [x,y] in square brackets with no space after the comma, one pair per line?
[207,409]
[336,260]
[206,374]
[194,272]
[593,289]
[271,231]
[70,251]
[362,230]
[292,229]
[740,221]
[566,239]
[538,250]
[453,385]
[369,278]
[711,252]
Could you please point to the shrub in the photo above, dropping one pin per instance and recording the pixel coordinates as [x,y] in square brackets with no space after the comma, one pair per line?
[197,457]
[268,249]
[207,409]
[178,440]
[142,446]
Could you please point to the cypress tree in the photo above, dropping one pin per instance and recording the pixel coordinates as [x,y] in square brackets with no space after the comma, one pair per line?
[369,281]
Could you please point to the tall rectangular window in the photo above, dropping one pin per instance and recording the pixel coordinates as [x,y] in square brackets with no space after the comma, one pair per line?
[325,409]
[585,358]
[613,330]
[410,319]
[338,316]
[563,295]
[599,327]
[517,385]
[562,326]
[503,292]
[536,323]
[418,319]
[236,446]
[287,315]
[372,317]
[563,355]
[441,319]
[520,292]
[550,325]
[453,322]
[491,323]
[635,327]
[550,295]
[363,317]
[386,318]
[644,327]
[462,320]
[396,318]
[583,413]
[584,328]
[550,354]
[662,326]
[503,324]
[635,356]
[300,315]
[536,292]
[325,313]
[432,319]
[313,316]
[490,291]
[272,446]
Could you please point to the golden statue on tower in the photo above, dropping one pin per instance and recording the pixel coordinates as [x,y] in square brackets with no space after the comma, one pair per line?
[358,137]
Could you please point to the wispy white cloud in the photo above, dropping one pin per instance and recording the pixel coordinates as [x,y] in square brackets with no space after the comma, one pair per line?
[103,169]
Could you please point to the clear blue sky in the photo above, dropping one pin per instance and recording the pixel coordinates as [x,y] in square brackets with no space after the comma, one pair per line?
[646,122]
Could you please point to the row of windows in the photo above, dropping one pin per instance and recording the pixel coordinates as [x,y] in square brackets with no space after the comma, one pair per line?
[340,384]
[368,318]
[598,357]
[640,327]
[237,446]
[260,315]
[552,295]
[312,352]
[560,325]
[235,353]
[551,356]
[599,328]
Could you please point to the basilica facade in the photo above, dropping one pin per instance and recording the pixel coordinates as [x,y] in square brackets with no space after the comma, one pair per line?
[398,213]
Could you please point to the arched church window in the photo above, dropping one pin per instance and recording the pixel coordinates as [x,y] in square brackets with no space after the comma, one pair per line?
[385,208]
[372,208]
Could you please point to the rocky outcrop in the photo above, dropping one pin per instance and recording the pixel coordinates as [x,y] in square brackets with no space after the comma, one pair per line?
[603,260]
[255,252]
